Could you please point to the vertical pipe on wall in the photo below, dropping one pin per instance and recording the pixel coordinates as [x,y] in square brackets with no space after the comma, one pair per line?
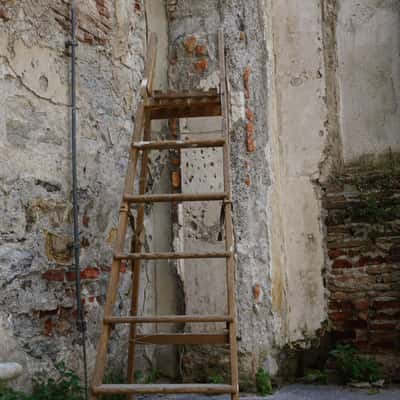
[81,326]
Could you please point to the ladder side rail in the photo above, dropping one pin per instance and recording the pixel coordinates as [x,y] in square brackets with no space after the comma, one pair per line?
[136,264]
[230,262]
[112,289]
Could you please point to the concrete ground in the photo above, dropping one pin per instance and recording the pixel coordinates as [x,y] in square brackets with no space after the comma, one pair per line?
[304,392]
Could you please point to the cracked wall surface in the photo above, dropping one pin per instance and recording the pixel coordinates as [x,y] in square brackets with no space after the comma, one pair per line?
[37,304]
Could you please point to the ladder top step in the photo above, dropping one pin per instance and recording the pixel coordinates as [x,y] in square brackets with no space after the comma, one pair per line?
[182,95]
[188,107]
[162,389]
[167,319]
[158,198]
[171,256]
[178,144]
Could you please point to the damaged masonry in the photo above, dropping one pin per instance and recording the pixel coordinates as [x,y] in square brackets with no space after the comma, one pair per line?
[313,94]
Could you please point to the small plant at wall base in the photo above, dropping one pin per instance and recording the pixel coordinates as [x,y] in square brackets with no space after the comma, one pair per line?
[67,386]
[263,382]
[216,379]
[354,367]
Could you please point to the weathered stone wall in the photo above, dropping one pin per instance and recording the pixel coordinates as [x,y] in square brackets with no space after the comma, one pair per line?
[363,273]
[37,305]
[194,64]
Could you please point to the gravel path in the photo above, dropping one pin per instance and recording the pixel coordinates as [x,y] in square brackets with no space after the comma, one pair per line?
[303,392]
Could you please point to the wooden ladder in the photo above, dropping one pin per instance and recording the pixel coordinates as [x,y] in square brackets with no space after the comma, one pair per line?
[155,106]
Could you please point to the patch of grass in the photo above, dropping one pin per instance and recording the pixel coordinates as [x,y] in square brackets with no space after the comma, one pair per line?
[263,382]
[354,367]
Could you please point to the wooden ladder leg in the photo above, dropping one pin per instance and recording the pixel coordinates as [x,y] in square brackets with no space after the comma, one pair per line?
[112,289]
[230,262]
[139,233]
[232,302]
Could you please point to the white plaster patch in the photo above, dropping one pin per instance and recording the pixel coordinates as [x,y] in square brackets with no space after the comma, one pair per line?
[211,82]
[237,106]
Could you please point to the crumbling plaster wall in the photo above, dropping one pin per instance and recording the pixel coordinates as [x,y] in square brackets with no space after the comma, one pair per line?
[368,43]
[297,111]
[37,306]
[193,28]
[333,97]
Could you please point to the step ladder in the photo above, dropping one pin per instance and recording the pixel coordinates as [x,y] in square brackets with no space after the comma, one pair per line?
[155,106]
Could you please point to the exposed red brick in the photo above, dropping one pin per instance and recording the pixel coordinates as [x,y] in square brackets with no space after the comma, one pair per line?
[353,253]
[48,327]
[342,263]
[246,82]
[202,65]
[54,275]
[91,299]
[103,11]
[47,313]
[361,305]
[249,115]
[367,260]
[123,268]
[332,254]
[247,180]
[251,144]
[201,50]
[363,315]
[88,38]
[70,276]
[389,304]
[90,273]
[85,242]
[340,305]
[3,14]
[85,220]
[176,162]
[190,44]
[355,324]
[173,126]
[102,41]
[176,179]
[340,315]
[257,292]
[138,7]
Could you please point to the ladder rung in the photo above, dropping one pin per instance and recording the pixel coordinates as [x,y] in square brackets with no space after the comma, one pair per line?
[184,338]
[162,389]
[171,256]
[178,144]
[157,198]
[186,108]
[167,319]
